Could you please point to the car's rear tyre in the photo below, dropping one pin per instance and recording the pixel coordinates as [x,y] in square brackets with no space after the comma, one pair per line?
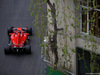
[28,49]
[29,30]
[7,49]
[10,30]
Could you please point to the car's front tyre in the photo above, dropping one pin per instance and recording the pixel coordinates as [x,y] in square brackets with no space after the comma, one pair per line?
[29,30]
[10,30]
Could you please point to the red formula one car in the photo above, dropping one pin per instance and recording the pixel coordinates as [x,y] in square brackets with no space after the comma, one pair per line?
[18,40]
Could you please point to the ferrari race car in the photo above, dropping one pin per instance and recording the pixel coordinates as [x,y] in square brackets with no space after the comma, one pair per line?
[18,40]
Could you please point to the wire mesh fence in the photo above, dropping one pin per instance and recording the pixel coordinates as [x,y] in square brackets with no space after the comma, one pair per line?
[49,69]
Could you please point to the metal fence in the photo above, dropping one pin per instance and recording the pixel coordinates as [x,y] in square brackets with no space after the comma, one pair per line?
[45,63]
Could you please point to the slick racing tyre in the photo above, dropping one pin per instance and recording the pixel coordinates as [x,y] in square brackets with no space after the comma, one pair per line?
[28,49]
[10,30]
[29,30]
[7,49]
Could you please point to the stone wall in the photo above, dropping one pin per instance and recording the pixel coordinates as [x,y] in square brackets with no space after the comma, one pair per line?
[67,17]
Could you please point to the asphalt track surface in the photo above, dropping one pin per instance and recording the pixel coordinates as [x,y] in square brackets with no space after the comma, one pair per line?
[14,13]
